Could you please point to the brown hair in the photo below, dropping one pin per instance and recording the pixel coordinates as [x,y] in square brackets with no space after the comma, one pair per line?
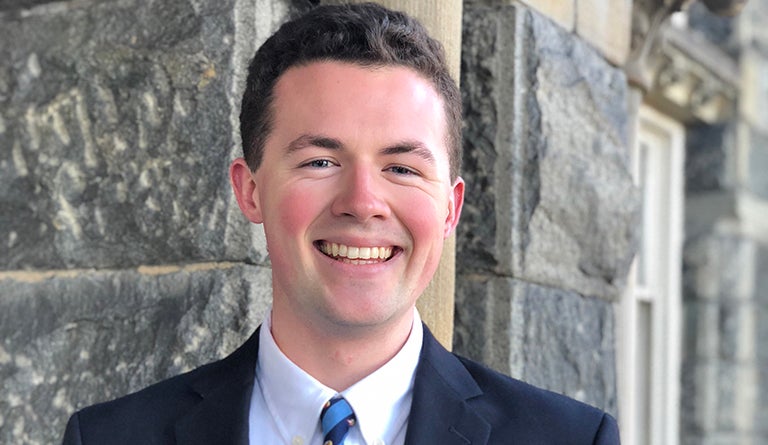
[367,35]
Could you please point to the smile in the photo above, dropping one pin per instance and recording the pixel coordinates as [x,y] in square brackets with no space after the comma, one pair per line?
[354,254]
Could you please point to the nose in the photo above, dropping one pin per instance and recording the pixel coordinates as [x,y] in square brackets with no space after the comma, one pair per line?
[360,196]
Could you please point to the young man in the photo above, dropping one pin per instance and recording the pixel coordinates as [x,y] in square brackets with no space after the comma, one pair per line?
[351,138]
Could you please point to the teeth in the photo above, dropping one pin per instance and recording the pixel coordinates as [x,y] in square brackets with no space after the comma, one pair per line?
[356,253]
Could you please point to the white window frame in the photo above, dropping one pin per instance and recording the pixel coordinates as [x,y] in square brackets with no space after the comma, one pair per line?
[649,354]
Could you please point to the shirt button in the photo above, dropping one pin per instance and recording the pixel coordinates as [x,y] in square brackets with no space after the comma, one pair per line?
[378,442]
[297,440]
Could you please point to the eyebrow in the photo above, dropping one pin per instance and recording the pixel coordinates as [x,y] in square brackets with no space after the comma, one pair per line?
[404,147]
[414,147]
[312,140]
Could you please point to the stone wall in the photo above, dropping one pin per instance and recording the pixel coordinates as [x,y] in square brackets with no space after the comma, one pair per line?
[124,258]
[547,234]
[725,291]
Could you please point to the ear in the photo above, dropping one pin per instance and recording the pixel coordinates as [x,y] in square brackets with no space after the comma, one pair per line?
[455,203]
[246,192]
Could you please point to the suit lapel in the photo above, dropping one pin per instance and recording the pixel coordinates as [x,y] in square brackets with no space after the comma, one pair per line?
[221,416]
[440,412]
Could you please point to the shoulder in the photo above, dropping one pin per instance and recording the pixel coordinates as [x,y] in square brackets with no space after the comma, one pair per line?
[146,416]
[149,415]
[540,416]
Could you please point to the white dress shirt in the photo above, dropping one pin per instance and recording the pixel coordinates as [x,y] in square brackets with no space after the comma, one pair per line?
[286,401]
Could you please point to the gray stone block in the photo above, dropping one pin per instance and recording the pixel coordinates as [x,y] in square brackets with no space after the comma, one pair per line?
[14,6]
[719,266]
[761,279]
[726,396]
[761,411]
[717,29]
[761,334]
[551,338]
[77,338]
[699,397]
[482,321]
[738,324]
[550,196]
[757,180]
[117,124]
[701,341]
[708,166]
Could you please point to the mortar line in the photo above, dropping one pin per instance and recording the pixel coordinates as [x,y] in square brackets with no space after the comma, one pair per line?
[38,275]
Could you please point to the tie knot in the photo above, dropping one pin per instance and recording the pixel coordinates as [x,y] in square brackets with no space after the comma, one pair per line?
[336,418]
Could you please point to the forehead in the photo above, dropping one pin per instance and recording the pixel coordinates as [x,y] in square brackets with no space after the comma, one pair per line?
[323,97]
[359,104]
[316,80]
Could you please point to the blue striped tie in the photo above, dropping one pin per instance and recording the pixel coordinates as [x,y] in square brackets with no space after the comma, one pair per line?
[336,417]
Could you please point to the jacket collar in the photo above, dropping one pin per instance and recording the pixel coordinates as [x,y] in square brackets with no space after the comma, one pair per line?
[440,412]
[225,391]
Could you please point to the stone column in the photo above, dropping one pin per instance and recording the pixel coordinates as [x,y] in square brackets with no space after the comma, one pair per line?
[443,20]
[546,238]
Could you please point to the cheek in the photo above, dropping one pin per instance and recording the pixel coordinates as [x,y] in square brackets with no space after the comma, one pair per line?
[297,207]
[424,217]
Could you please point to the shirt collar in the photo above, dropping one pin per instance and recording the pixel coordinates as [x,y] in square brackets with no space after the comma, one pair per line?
[381,401]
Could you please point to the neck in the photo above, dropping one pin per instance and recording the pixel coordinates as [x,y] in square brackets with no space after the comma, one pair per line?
[338,356]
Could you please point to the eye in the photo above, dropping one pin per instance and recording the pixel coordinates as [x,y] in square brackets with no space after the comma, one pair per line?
[400,170]
[318,163]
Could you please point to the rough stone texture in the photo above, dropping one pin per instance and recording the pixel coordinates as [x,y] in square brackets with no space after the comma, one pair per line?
[18,5]
[550,198]
[698,403]
[117,123]
[721,380]
[761,334]
[549,337]
[709,150]
[83,337]
[562,12]
[547,234]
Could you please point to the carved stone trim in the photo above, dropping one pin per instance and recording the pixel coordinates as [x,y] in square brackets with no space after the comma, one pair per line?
[694,78]
[649,18]
[679,70]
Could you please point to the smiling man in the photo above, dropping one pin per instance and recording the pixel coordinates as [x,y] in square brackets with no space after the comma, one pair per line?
[351,140]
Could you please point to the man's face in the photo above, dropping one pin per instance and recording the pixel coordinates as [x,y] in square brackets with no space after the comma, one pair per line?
[354,193]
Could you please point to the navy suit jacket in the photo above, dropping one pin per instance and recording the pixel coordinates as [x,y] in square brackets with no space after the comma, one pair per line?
[455,401]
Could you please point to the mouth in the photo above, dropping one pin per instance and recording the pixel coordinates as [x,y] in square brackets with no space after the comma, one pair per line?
[356,254]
